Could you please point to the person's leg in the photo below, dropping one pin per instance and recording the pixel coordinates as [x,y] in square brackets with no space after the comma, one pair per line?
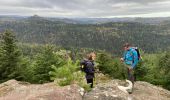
[131,75]
[131,78]
[134,70]
[91,83]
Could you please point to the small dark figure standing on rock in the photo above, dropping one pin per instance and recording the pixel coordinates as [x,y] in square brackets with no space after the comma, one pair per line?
[87,66]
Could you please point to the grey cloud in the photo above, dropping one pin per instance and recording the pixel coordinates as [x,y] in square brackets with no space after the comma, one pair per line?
[76,4]
[135,1]
[85,8]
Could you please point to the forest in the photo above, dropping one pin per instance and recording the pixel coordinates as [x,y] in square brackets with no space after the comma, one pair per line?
[36,50]
[105,36]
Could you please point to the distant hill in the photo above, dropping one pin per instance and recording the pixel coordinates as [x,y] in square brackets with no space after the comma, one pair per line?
[105,36]
[152,20]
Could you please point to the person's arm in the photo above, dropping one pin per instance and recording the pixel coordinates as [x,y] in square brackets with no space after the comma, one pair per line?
[82,63]
[124,57]
[135,58]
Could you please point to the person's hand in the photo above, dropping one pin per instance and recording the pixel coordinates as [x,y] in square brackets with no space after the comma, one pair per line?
[121,59]
[130,68]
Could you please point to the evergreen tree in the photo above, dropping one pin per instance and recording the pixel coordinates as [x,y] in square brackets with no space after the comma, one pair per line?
[43,63]
[109,66]
[164,65]
[9,56]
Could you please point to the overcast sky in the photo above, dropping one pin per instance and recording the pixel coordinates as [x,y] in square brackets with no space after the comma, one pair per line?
[86,8]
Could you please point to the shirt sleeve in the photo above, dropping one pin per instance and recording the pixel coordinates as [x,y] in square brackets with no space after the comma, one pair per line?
[124,55]
[82,62]
[135,58]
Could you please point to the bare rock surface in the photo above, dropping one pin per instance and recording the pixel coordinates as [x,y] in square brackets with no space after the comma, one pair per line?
[15,90]
[141,91]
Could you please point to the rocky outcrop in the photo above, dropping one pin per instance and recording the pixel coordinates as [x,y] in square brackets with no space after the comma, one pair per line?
[141,91]
[14,90]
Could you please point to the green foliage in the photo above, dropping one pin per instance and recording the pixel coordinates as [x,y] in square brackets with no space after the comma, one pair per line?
[65,74]
[164,66]
[9,56]
[118,69]
[105,63]
[109,66]
[69,73]
[154,69]
[25,70]
[141,70]
[107,36]
[164,63]
[147,66]
[43,62]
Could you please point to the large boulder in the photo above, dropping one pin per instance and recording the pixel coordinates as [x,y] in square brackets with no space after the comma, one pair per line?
[14,90]
[141,91]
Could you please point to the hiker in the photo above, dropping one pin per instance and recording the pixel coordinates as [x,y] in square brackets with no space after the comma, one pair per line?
[130,58]
[87,66]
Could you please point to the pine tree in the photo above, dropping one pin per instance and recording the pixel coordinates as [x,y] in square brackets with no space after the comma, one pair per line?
[9,56]
[164,68]
[42,64]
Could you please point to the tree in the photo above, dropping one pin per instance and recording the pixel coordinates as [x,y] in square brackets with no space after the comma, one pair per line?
[109,66]
[9,56]
[43,62]
[164,65]
[66,74]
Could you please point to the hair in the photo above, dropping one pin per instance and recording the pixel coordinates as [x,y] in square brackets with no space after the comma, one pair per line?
[126,45]
[90,55]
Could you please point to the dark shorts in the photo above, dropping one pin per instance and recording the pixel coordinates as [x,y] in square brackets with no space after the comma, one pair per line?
[89,80]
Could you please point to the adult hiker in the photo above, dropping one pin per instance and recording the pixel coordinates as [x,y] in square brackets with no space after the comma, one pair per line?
[130,58]
[87,66]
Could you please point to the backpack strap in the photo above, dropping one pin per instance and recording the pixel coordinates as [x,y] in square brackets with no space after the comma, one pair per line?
[135,57]
[132,50]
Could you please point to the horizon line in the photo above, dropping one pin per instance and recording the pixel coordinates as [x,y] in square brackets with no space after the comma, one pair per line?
[83,17]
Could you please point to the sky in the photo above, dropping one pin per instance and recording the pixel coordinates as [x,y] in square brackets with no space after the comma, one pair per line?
[86,8]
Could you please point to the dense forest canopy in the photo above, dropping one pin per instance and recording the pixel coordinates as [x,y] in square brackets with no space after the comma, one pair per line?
[104,36]
[40,50]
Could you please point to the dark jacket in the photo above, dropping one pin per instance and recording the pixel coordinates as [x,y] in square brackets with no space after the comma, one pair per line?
[88,68]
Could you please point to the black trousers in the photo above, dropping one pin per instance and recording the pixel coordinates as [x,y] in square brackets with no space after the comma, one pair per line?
[90,81]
